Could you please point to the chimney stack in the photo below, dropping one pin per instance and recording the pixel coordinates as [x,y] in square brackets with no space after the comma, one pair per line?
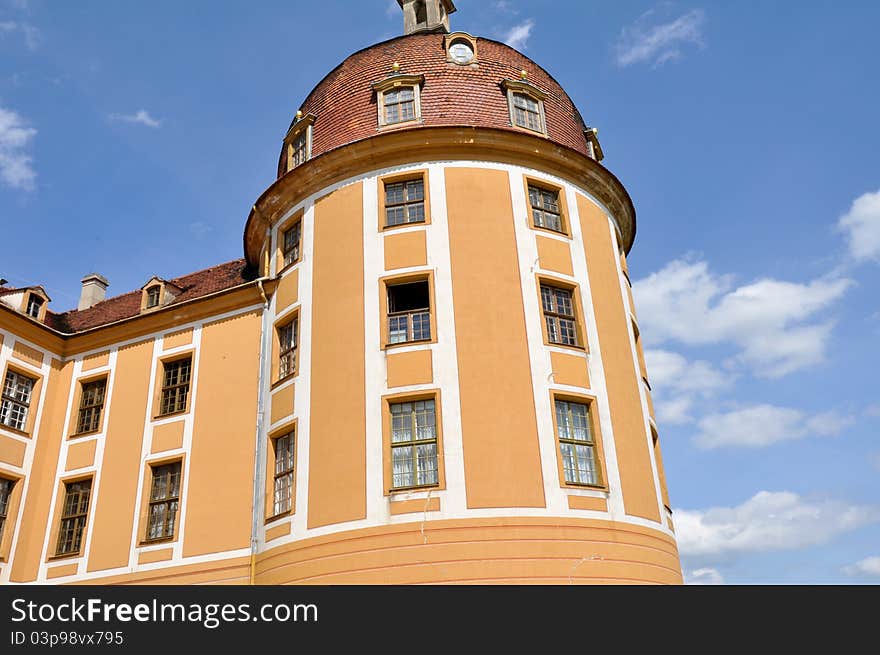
[94,290]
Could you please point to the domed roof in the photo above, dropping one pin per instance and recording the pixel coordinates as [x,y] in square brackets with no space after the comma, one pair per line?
[344,105]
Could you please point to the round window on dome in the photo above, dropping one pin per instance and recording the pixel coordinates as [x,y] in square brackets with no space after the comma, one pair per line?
[461,52]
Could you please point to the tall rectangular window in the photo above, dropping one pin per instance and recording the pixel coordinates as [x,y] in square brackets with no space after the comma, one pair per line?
[16,400]
[545,208]
[287,340]
[73,517]
[405,202]
[91,405]
[559,315]
[175,385]
[527,112]
[34,305]
[399,105]
[409,312]
[291,246]
[299,148]
[283,482]
[153,294]
[164,501]
[576,443]
[5,493]
[413,444]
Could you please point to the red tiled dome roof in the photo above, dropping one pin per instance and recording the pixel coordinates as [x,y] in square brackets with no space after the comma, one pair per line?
[344,103]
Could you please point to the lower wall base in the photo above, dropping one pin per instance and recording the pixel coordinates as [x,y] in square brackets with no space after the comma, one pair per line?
[479,551]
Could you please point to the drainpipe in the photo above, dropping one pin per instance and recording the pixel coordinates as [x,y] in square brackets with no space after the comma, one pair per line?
[259,455]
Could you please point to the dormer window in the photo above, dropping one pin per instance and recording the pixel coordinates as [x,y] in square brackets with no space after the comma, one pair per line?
[158,293]
[34,305]
[398,99]
[153,294]
[461,48]
[526,103]
[298,142]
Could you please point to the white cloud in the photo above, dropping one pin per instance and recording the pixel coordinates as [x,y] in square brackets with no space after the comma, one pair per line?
[29,33]
[677,382]
[867,566]
[758,426]
[518,35]
[862,227]
[873,410]
[16,168]
[505,6]
[767,319]
[659,42]
[141,117]
[704,576]
[200,229]
[766,522]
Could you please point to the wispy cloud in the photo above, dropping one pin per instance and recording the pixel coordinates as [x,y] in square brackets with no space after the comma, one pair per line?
[870,566]
[651,40]
[141,117]
[16,162]
[505,7]
[773,323]
[31,35]
[861,224]
[704,576]
[766,522]
[200,229]
[517,37]
[678,382]
[762,425]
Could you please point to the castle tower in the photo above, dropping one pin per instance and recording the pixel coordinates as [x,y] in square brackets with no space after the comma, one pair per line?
[456,353]
[427,368]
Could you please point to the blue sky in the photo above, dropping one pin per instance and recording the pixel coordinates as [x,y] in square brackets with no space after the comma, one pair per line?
[134,137]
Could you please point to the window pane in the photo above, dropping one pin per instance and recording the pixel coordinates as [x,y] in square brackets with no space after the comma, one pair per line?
[427,463]
[421,326]
[397,329]
[402,466]
[394,193]
[395,215]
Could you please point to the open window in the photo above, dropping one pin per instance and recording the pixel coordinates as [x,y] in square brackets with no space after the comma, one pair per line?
[409,311]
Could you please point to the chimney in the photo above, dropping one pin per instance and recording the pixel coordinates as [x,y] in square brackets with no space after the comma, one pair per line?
[94,290]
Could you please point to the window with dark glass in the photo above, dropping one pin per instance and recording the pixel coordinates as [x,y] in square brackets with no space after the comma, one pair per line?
[164,501]
[409,312]
[91,405]
[287,340]
[5,493]
[291,243]
[576,443]
[527,112]
[175,385]
[559,315]
[15,400]
[74,513]
[153,296]
[299,148]
[413,444]
[34,305]
[399,105]
[283,480]
[545,208]
[405,202]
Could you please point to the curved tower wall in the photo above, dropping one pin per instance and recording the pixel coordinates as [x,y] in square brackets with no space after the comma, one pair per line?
[502,511]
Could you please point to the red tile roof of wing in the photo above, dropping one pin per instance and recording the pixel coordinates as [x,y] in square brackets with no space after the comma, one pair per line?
[194,285]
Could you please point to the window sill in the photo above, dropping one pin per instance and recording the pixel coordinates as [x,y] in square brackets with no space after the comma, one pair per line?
[578,348]
[280,381]
[417,487]
[392,126]
[528,130]
[13,430]
[278,517]
[81,435]
[288,267]
[56,558]
[403,344]
[588,487]
[390,228]
[550,230]
[156,542]
[159,417]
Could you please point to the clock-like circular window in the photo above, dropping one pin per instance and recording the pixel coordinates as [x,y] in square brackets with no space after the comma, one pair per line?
[461,52]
